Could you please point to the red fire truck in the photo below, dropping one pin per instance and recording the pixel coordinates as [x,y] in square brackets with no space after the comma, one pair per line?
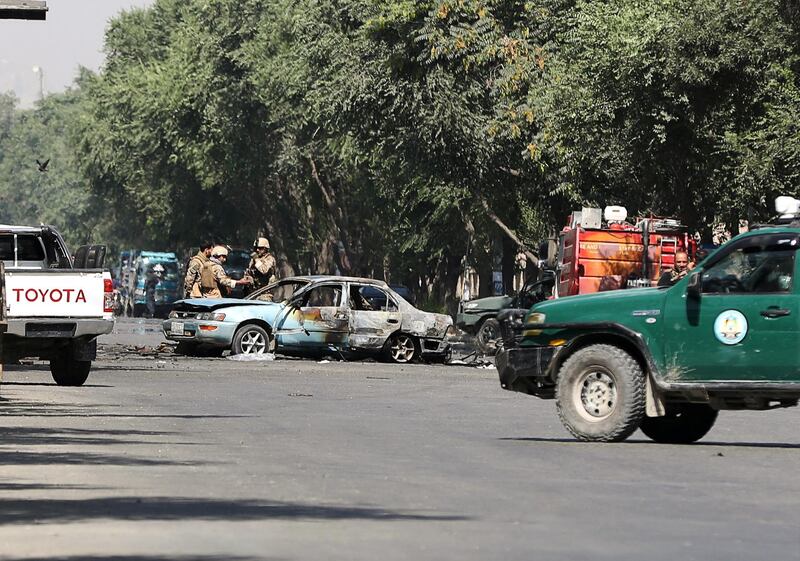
[598,252]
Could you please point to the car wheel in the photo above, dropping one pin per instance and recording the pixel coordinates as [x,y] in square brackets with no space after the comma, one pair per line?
[250,340]
[684,423]
[489,337]
[600,394]
[67,371]
[401,348]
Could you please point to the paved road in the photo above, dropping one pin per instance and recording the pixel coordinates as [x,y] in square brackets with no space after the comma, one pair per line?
[180,459]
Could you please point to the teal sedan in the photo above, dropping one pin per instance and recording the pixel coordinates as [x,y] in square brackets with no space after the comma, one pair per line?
[311,315]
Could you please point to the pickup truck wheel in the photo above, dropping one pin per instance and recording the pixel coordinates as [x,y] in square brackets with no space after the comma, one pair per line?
[600,394]
[489,337]
[401,348]
[684,423]
[70,372]
[250,340]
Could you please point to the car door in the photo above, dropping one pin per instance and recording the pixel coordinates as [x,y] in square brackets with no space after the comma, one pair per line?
[318,320]
[374,316]
[744,323]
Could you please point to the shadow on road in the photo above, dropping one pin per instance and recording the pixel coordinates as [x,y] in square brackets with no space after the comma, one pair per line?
[143,558]
[30,436]
[41,511]
[52,384]
[13,408]
[17,446]
[46,486]
[703,443]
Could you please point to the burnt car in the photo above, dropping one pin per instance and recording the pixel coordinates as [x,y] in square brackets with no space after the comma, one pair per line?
[313,316]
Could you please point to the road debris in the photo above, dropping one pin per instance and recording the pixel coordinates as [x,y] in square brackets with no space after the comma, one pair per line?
[255,357]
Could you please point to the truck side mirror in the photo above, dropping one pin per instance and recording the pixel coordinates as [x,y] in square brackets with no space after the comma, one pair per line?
[693,288]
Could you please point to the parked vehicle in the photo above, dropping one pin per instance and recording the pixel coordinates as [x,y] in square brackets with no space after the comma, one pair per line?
[597,255]
[479,317]
[236,267]
[54,307]
[133,270]
[592,255]
[313,315]
[667,359]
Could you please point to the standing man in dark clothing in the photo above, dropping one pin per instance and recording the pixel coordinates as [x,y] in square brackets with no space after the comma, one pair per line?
[150,289]
[680,270]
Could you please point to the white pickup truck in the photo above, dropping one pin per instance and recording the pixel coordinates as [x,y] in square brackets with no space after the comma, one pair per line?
[55,305]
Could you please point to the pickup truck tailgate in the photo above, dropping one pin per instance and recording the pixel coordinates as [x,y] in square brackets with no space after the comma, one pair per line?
[57,294]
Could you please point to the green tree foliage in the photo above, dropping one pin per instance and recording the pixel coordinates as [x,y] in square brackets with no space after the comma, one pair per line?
[58,196]
[394,137]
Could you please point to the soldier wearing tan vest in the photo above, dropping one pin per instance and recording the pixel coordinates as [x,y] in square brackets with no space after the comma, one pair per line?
[191,284]
[214,281]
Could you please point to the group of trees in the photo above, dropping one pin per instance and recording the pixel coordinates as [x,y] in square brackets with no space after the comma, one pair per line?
[393,138]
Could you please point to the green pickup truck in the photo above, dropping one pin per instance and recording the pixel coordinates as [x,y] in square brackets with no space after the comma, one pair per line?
[667,359]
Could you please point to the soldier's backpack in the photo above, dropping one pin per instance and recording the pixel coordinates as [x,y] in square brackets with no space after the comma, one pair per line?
[207,279]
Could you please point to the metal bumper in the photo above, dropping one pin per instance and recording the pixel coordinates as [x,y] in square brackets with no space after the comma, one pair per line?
[467,321]
[59,327]
[430,347]
[220,336]
[524,369]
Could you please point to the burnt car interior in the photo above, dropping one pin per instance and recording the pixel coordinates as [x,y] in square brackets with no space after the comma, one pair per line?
[326,296]
[374,297]
[279,292]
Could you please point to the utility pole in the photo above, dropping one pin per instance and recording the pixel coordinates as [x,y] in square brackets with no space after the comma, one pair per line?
[38,70]
[17,9]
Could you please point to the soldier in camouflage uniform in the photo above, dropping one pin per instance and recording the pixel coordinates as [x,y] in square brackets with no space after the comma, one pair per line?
[262,268]
[221,281]
[191,284]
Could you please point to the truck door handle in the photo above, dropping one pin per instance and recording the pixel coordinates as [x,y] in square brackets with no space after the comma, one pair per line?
[391,320]
[775,312]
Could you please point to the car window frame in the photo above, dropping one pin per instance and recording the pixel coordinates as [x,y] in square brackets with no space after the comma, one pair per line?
[761,240]
[308,290]
[386,293]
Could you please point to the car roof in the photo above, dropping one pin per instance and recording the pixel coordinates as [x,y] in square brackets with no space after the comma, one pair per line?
[20,229]
[337,278]
[157,255]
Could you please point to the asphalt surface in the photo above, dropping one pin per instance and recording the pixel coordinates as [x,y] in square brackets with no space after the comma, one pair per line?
[170,458]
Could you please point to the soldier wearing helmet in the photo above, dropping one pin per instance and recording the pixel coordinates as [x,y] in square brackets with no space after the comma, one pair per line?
[262,268]
[219,282]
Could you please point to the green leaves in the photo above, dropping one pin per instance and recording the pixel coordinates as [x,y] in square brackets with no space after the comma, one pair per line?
[386,126]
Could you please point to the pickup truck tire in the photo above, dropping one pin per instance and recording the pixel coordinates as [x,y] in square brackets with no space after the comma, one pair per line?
[489,337]
[250,339]
[684,423]
[600,394]
[67,371]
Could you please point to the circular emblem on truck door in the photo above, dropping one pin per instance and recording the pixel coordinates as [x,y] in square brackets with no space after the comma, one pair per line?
[730,327]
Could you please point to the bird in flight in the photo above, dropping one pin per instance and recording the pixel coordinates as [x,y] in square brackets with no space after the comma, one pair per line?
[43,165]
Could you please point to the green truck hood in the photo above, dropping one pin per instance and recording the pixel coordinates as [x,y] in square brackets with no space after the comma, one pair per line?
[612,306]
[488,303]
